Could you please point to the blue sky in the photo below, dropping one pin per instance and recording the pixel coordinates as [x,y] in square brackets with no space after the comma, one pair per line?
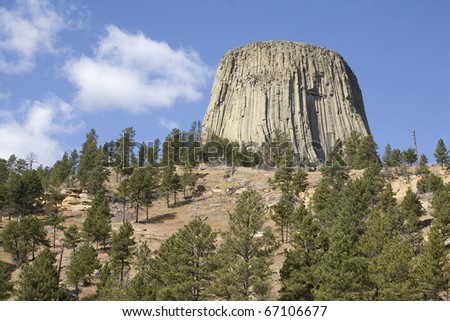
[68,66]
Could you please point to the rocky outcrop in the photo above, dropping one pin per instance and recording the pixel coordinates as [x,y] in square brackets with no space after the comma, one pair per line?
[308,92]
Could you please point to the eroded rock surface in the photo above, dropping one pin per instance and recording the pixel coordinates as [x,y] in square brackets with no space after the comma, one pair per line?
[306,91]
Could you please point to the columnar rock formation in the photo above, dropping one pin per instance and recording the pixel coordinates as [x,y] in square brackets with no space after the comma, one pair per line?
[308,92]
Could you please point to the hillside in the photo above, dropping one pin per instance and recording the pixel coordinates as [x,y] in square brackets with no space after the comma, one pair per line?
[212,205]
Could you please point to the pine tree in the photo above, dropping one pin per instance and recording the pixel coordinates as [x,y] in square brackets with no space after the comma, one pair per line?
[83,263]
[97,225]
[22,237]
[90,171]
[411,210]
[351,148]
[170,182]
[441,209]
[441,153]
[122,249]
[243,260]
[5,281]
[53,216]
[422,169]
[410,156]
[366,154]
[72,237]
[432,267]
[39,281]
[396,159]
[283,214]
[183,263]
[387,156]
[298,272]
[430,183]
[391,272]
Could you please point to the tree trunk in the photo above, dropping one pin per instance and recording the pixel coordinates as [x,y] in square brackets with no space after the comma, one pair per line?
[60,263]
[124,206]
[137,212]
[146,212]
[167,199]
[76,292]
[175,197]
[54,237]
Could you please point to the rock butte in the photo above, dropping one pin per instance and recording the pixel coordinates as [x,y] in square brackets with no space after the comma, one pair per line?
[306,91]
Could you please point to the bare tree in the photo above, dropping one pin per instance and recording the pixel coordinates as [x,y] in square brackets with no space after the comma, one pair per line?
[31,158]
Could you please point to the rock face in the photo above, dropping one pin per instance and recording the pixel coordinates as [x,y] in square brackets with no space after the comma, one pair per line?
[308,92]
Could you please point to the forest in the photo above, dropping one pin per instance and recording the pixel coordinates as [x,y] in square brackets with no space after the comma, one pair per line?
[353,240]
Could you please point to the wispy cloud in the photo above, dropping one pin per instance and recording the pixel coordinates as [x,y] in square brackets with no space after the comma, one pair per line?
[168,124]
[132,72]
[30,27]
[36,127]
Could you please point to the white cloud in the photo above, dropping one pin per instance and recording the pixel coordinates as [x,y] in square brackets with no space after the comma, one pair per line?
[29,28]
[35,128]
[168,124]
[134,73]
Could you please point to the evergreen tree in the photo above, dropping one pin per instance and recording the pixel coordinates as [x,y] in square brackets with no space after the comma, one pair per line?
[122,249]
[183,263]
[410,156]
[387,156]
[20,238]
[188,178]
[298,272]
[411,210]
[124,152]
[285,215]
[151,179]
[391,272]
[441,153]
[72,237]
[170,182]
[153,153]
[97,225]
[441,209]
[5,281]
[39,281]
[422,169]
[396,159]
[53,216]
[351,148]
[243,260]
[432,267]
[366,154]
[429,183]
[83,263]
[90,170]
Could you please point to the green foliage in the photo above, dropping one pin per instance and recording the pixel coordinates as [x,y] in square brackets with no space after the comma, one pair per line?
[391,271]
[441,209]
[188,178]
[91,173]
[72,237]
[243,260]
[83,263]
[170,182]
[141,184]
[39,281]
[432,266]
[422,169]
[360,152]
[183,263]
[410,156]
[20,238]
[411,210]
[97,225]
[441,153]
[5,281]
[397,158]
[429,183]
[122,249]
[387,156]
[54,217]
[298,272]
